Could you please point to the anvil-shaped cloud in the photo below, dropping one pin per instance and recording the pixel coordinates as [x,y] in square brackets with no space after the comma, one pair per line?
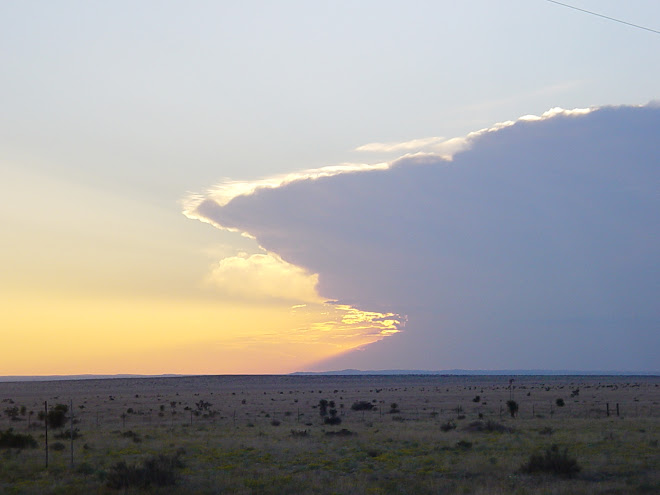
[535,246]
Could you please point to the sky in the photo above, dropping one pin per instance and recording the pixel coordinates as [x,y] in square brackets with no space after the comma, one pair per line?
[258,187]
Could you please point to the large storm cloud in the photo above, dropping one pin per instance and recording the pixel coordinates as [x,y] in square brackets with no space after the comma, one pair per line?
[535,247]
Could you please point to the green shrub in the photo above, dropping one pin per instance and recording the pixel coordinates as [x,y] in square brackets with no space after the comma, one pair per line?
[56,416]
[362,405]
[553,461]
[449,425]
[66,434]
[512,405]
[489,426]
[341,433]
[560,402]
[11,440]
[158,471]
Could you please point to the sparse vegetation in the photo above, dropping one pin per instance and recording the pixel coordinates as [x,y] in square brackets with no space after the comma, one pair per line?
[553,461]
[423,448]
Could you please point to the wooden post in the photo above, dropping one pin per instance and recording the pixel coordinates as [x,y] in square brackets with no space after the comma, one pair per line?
[607,406]
[191,413]
[46,421]
[71,430]
[617,409]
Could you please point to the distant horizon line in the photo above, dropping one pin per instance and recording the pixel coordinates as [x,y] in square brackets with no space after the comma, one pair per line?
[345,372]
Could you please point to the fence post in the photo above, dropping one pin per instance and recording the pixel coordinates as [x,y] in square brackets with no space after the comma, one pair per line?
[46,421]
[71,430]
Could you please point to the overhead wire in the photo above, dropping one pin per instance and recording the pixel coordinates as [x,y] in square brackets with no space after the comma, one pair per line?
[605,16]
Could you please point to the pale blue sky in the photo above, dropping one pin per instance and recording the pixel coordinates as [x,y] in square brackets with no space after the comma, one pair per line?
[158,98]
[112,112]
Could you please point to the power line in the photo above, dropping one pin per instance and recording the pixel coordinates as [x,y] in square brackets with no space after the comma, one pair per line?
[604,16]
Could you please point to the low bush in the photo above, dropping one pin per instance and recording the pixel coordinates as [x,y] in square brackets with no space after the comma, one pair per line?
[66,434]
[553,461]
[512,406]
[489,426]
[449,425]
[11,440]
[131,434]
[341,433]
[158,471]
[362,405]
[56,416]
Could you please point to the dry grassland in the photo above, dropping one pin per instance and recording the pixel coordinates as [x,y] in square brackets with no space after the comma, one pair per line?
[265,435]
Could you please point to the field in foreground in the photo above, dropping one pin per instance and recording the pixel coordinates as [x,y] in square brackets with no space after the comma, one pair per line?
[392,434]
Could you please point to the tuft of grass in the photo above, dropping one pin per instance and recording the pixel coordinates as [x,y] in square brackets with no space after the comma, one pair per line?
[553,461]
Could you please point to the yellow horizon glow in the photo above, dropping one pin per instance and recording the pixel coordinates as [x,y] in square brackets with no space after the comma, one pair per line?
[84,335]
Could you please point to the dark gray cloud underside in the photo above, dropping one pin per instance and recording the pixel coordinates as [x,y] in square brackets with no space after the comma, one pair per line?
[538,247]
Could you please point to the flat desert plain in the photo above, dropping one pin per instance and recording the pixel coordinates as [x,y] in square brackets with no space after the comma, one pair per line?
[389,434]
